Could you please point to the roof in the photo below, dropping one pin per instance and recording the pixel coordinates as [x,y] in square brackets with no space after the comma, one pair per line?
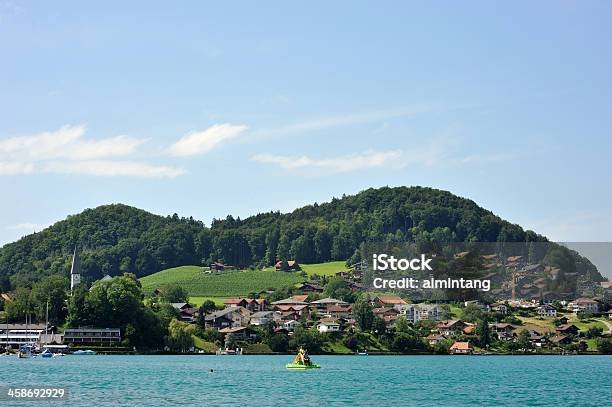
[340,308]
[261,314]
[223,313]
[391,299]
[289,301]
[291,307]
[232,330]
[33,327]
[584,301]
[329,300]
[6,297]
[503,326]
[449,323]
[328,323]
[300,297]
[559,338]
[562,328]
[181,305]
[461,346]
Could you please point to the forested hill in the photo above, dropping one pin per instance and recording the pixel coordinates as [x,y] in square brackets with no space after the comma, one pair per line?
[117,238]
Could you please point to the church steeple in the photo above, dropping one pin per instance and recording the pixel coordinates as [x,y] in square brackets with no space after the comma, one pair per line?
[75,270]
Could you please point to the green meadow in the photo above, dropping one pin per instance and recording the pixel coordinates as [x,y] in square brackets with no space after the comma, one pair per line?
[222,285]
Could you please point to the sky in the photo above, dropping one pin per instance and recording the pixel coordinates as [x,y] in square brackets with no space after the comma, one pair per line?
[206,109]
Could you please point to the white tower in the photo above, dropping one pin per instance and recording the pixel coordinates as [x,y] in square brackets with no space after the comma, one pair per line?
[75,270]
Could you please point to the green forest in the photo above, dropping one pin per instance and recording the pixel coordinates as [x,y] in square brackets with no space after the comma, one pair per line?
[117,239]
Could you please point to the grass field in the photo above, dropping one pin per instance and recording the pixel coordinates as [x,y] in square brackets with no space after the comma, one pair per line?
[322,269]
[231,284]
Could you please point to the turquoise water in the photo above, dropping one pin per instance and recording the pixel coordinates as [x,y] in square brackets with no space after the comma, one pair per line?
[342,380]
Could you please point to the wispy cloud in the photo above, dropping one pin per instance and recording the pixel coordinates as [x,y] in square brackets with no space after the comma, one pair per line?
[66,151]
[349,162]
[202,142]
[348,119]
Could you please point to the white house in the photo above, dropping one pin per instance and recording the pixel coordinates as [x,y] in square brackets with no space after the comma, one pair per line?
[261,317]
[290,325]
[547,311]
[583,305]
[500,308]
[328,326]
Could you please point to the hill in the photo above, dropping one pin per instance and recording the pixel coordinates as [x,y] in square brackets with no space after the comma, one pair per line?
[115,239]
[230,284]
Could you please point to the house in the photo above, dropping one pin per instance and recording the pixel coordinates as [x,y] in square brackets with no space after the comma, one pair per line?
[546,311]
[289,311]
[563,320]
[388,301]
[419,312]
[92,335]
[567,330]
[561,340]
[241,333]
[451,327]
[261,317]
[17,334]
[252,304]
[322,305]
[500,308]
[481,305]
[339,311]
[290,325]
[505,332]
[461,348]
[301,297]
[583,305]
[187,312]
[328,326]
[434,339]
[228,318]
[385,312]
[310,287]
[538,340]
[292,265]
[289,301]
[609,314]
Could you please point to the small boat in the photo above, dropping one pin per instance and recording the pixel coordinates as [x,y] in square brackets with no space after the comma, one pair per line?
[46,354]
[302,361]
[85,352]
[362,353]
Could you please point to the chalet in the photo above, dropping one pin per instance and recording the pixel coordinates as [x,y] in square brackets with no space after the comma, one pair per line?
[292,265]
[461,348]
[538,340]
[242,333]
[451,327]
[505,332]
[563,320]
[388,301]
[385,312]
[567,330]
[500,308]
[187,312]
[546,311]
[339,311]
[390,320]
[435,339]
[328,326]
[289,311]
[228,318]
[322,305]
[310,287]
[252,304]
[301,297]
[561,340]
[261,317]
[583,305]
[289,301]
[92,335]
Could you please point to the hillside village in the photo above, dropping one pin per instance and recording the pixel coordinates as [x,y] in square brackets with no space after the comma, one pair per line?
[337,313]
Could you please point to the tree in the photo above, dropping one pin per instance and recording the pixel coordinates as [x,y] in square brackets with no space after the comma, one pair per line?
[471,313]
[363,314]
[604,345]
[523,340]
[179,336]
[77,313]
[379,326]
[405,343]
[17,309]
[175,293]
[483,332]
[52,290]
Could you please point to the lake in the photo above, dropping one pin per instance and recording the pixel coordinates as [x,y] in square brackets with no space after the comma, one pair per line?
[343,380]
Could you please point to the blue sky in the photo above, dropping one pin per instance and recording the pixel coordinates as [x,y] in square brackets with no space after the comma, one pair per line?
[209,109]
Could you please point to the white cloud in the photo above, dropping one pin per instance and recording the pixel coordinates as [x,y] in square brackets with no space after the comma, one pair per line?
[106,168]
[345,163]
[65,151]
[202,142]
[66,143]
